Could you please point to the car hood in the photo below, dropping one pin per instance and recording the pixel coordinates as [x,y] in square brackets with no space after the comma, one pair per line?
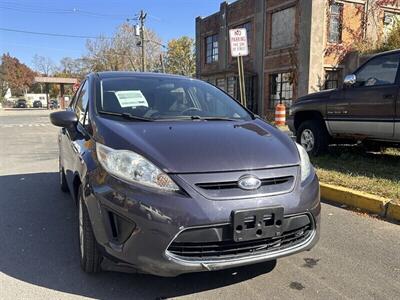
[318,95]
[200,146]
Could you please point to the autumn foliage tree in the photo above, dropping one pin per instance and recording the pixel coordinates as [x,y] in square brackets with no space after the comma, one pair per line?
[15,75]
[122,52]
[180,57]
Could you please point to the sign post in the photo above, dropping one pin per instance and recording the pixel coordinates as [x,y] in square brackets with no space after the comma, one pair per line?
[239,48]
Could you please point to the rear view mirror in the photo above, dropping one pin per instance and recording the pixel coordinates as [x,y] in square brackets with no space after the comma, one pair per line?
[350,80]
[65,119]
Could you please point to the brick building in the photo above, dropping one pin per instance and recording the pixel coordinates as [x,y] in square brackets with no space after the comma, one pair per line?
[295,46]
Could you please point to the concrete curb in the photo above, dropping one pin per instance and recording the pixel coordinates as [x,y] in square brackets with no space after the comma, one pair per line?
[393,211]
[367,202]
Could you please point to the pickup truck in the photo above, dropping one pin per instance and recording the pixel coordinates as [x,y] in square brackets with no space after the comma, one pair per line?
[366,109]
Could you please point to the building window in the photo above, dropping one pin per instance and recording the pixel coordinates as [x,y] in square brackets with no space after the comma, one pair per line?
[221,83]
[332,79]
[281,89]
[335,23]
[390,20]
[212,48]
[231,86]
[282,28]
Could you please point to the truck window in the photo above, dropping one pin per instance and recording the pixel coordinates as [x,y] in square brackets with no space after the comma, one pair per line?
[381,70]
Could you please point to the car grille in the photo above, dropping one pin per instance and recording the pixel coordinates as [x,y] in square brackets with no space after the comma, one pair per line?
[224,185]
[234,184]
[229,249]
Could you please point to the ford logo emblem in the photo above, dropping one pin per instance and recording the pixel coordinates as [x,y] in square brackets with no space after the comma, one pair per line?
[249,182]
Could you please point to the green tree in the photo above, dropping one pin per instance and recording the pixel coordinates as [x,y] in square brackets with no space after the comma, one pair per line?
[180,57]
[15,75]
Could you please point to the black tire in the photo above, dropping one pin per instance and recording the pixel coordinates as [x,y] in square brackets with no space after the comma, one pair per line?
[372,147]
[319,134]
[63,180]
[90,256]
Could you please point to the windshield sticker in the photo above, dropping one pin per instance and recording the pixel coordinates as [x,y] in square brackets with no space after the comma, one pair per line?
[131,99]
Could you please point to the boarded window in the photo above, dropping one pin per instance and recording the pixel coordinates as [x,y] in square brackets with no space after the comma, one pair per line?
[282,33]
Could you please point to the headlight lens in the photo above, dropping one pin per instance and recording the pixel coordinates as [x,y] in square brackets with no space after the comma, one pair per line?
[305,164]
[133,167]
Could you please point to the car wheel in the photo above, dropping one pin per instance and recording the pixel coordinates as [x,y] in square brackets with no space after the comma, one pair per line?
[372,147]
[63,179]
[90,256]
[313,136]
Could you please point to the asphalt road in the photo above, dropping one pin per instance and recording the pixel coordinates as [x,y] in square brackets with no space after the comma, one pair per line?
[358,257]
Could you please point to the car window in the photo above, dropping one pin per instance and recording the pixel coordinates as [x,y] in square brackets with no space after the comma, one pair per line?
[381,70]
[155,97]
[81,103]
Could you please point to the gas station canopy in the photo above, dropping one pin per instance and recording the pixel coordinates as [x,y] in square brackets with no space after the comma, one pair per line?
[56,80]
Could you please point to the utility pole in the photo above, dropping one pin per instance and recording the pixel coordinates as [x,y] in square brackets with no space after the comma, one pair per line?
[142,19]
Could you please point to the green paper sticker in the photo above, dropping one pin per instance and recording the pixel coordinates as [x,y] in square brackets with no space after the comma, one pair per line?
[131,99]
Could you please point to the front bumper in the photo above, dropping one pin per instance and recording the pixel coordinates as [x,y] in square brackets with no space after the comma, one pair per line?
[290,124]
[155,219]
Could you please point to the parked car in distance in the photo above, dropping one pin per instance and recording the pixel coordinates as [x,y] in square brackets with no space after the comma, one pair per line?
[172,176]
[21,103]
[366,109]
[37,104]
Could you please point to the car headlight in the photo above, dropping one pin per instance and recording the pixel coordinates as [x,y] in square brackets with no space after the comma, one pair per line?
[132,167]
[305,164]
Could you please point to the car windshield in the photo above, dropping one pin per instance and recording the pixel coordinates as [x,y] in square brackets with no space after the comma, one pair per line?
[165,98]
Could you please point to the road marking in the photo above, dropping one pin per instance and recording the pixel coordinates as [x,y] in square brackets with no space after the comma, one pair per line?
[24,125]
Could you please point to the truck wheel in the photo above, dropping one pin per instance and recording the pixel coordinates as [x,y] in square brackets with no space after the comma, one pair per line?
[372,147]
[90,256]
[313,136]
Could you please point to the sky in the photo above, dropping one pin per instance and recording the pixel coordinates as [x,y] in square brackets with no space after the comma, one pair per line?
[169,18]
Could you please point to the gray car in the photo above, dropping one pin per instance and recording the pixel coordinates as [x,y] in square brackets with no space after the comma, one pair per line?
[171,175]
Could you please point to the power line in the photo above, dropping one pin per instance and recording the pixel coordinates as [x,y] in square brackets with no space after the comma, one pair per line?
[55,34]
[46,10]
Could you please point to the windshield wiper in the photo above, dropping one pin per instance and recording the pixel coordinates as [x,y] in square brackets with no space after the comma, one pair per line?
[213,118]
[126,116]
[197,117]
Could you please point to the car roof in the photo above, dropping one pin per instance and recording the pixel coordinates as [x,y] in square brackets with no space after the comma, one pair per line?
[388,52]
[117,74]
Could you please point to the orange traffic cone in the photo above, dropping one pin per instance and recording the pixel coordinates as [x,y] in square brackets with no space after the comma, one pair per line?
[280,115]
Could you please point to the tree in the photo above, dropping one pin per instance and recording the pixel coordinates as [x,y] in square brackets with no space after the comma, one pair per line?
[122,51]
[72,67]
[180,56]
[43,65]
[15,75]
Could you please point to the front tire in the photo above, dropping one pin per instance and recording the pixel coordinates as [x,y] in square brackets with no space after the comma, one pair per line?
[90,256]
[313,136]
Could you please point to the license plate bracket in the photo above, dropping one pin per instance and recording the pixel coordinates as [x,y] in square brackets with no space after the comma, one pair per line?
[253,224]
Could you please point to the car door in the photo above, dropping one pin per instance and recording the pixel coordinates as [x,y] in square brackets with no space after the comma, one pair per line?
[372,99]
[397,119]
[72,141]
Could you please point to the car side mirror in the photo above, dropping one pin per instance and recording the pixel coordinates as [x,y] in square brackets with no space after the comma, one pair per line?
[66,119]
[350,80]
